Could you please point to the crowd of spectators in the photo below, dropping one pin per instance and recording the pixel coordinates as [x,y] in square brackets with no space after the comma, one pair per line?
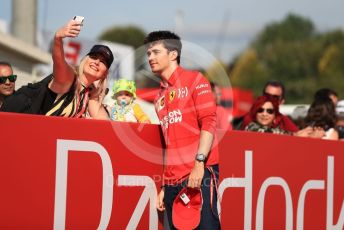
[323,119]
[79,92]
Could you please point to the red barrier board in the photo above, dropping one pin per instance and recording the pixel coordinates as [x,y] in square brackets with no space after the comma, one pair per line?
[59,173]
[280,182]
[107,186]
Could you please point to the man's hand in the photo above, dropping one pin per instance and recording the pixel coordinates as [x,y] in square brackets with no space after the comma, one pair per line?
[196,175]
[160,200]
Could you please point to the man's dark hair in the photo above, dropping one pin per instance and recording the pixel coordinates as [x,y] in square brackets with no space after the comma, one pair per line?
[275,83]
[212,85]
[324,93]
[4,63]
[170,40]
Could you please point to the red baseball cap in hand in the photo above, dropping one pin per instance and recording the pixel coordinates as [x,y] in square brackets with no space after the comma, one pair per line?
[186,209]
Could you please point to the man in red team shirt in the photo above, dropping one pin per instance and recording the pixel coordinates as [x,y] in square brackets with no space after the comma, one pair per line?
[186,109]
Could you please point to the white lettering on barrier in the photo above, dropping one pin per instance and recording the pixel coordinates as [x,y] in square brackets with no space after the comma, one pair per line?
[309,185]
[246,183]
[149,194]
[63,146]
[261,197]
[329,200]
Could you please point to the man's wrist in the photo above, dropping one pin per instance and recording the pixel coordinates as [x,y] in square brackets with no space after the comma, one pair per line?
[199,164]
[200,157]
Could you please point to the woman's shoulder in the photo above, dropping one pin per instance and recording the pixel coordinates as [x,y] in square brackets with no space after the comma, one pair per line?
[331,134]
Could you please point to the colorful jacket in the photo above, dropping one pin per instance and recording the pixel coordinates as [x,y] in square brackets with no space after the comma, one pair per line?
[128,113]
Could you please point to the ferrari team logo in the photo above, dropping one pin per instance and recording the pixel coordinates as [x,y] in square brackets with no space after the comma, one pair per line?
[172,95]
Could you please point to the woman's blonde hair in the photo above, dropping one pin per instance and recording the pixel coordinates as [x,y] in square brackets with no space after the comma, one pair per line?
[96,90]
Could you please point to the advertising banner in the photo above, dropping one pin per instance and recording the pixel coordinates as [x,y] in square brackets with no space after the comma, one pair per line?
[59,173]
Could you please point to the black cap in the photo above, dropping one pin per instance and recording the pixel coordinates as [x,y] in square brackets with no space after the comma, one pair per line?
[104,51]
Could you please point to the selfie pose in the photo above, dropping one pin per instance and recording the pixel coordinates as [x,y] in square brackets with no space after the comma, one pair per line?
[70,91]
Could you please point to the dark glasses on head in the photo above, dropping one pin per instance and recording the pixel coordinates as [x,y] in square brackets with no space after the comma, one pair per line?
[276,97]
[11,78]
[269,111]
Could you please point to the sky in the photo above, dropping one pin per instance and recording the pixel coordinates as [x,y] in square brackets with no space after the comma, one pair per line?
[224,28]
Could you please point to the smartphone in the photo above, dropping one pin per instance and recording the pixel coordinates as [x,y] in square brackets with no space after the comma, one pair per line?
[79,19]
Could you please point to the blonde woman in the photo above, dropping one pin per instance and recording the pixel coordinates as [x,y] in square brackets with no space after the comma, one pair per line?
[72,90]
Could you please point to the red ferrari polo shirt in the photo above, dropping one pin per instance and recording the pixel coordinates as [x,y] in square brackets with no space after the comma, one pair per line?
[185,105]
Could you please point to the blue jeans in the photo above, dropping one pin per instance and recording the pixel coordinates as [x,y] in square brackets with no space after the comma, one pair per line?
[209,215]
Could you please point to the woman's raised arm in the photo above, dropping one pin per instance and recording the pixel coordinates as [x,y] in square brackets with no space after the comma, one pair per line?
[63,73]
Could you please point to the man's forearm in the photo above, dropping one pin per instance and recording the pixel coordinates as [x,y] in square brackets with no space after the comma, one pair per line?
[205,142]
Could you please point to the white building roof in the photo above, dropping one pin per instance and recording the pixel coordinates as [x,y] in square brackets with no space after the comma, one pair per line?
[24,50]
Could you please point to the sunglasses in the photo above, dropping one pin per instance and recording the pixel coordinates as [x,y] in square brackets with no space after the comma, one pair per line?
[276,97]
[11,78]
[269,111]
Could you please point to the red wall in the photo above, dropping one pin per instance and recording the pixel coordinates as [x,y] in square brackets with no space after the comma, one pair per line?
[81,174]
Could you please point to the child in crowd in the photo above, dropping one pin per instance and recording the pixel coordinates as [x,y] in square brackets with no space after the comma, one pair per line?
[125,109]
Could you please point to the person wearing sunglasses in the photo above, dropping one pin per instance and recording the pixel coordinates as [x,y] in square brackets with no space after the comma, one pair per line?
[273,89]
[7,81]
[264,116]
[276,89]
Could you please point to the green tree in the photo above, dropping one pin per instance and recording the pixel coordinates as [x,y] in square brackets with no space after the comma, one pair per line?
[248,72]
[128,35]
[293,52]
[292,28]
